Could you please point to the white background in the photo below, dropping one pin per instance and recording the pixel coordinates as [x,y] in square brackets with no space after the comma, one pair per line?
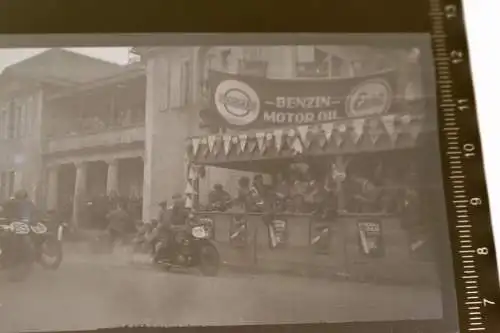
[483,26]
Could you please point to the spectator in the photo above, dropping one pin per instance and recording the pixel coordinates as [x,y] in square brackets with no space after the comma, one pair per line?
[219,199]
[119,221]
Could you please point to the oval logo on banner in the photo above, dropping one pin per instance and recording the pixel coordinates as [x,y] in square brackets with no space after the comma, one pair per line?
[369,98]
[237,102]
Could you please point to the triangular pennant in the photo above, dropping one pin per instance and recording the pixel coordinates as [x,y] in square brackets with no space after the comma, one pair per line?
[374,130]
[278,139]
[211,142]
[189,202]
[196,144]
[227,143]
[389,124]
[338,138]
[401,125]
[192,173]
[218,143]
[252,145]
[415,129]
[328,130]
[290,137]
[297,146]
[357,129]
[189,189]
[204,142]
[243,142]
[260,141]
[303,130]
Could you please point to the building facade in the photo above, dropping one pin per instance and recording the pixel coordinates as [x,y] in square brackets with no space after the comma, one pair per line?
[23,89]
[124,128]
[177,94]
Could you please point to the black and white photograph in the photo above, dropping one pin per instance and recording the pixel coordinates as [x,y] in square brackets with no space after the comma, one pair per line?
[225,184]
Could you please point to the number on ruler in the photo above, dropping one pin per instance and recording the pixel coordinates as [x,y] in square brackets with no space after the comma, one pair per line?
[469,150]
[457,57]
[487,302]
[483,251]
[451,11]
[476,201]
[463,104]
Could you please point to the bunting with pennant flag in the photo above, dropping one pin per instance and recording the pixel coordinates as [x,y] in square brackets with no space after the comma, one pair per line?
[401,124]
[363,132]
[328,130]
[189,202]
[374,130]
[204,143]
[278,139]
[252,145]
[297,147]
[218,145]
[196,145]
[243,142]
[357,129]
[189,189]
[211,142]
[415,128]
[291,135]
[389,124]
[261,136]
[339,133]
[192,173]
[303,133]
[227,141]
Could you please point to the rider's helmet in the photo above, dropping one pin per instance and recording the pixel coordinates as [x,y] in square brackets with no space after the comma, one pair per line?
[21,195]
[218,187]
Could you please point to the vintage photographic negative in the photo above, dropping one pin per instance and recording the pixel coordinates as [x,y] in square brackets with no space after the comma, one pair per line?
[219,184]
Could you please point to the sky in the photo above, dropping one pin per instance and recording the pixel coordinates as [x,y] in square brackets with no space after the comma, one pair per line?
[113,54]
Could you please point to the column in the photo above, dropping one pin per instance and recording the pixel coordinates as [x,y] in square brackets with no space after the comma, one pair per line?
[52,187]
[18,180]
[112,180]
[79,196]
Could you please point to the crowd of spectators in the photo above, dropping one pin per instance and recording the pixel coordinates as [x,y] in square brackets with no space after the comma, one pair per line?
[87,124]
[311,192]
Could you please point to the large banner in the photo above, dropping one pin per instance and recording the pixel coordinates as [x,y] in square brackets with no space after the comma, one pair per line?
[255,102]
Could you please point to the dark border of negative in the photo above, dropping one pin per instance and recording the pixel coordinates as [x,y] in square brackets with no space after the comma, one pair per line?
[54,22]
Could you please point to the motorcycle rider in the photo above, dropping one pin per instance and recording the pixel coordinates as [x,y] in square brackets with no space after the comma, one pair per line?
[118,221]
[20,207]
[176,215]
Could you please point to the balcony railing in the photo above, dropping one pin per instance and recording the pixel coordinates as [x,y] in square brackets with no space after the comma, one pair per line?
[107,137]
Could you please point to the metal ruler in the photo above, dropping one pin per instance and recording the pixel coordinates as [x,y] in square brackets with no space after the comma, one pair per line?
[471,232]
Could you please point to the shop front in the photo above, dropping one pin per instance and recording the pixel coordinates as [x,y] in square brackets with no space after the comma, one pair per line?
[345,177]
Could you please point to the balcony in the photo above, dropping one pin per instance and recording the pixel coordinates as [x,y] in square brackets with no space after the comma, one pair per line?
[109,137]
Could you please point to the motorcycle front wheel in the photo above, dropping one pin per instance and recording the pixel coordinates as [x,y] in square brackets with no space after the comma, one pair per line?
[209,260]
[51,255]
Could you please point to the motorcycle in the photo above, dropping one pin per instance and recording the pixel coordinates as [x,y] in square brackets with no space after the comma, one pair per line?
[48,239]
[22,244]
[189,246]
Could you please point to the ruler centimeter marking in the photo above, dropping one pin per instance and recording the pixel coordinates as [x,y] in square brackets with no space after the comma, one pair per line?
[455,160]
[456,153]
